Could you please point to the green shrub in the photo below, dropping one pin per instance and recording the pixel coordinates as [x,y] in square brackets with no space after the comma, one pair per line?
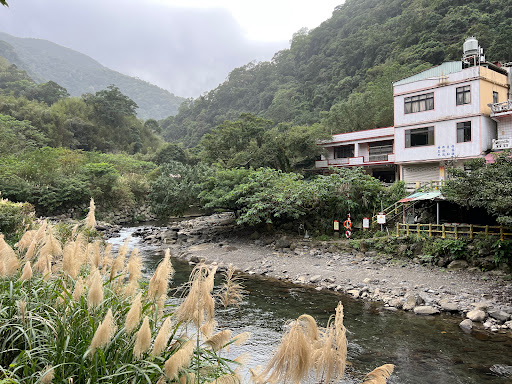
[14,219]
[452,248]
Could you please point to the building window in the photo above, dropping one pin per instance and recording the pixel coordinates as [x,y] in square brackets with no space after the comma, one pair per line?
[344,152]
[495,97]
[464,132]
[419,137]
[463,95]
[419,103]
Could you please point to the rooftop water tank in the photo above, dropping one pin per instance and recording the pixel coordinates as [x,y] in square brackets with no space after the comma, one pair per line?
[471,47]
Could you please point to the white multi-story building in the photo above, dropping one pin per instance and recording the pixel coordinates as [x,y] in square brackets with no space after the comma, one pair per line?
[442,115]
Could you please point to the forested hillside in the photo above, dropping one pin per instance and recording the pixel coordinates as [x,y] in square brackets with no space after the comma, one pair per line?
[341,73]
[79,74]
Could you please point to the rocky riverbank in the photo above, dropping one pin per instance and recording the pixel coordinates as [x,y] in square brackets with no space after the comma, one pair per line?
[481,299]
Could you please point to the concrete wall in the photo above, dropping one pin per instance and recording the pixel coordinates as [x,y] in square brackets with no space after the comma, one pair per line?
[445,141]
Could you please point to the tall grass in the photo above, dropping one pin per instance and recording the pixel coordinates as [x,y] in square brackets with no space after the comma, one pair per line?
[80,318]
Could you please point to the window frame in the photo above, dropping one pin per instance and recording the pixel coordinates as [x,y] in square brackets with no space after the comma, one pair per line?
[348,148]
[429,130]
[465,92]
[495,97]
[464,126]
[419,103]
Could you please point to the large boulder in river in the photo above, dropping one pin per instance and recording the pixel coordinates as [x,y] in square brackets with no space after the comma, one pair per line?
[426,310]
[412,301]
[466,325]
[476,315]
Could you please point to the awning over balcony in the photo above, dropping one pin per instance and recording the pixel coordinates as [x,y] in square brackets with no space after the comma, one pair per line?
[430,195]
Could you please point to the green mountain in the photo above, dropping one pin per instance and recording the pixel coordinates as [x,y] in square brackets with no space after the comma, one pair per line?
[79,74]
[340,74]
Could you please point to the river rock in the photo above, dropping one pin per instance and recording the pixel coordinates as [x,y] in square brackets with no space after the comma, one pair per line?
[499,315]
[412,301]
[466,325]
[426,310]
[476,315]
[457,264]
[283,242]
[354,292]
[397,303]
[315,279]
[448,306]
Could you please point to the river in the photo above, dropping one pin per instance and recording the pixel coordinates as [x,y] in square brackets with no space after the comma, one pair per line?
[424,349]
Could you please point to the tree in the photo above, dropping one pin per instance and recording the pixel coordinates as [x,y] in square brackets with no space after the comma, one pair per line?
[487,186]
[176,188]
[110,105]
[235,143]
[48,93]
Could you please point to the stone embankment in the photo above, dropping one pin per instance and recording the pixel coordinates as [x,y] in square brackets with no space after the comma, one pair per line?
[481,300]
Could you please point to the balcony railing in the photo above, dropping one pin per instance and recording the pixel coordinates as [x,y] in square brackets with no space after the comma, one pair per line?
[501,107]
[354,161]
[499,144]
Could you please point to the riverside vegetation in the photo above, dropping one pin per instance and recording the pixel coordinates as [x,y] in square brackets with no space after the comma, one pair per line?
[71,312]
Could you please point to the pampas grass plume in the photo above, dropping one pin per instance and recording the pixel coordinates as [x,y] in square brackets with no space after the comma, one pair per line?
[242,338]
[25,240]
[90,220]
[179,360]
[162,338]
[159,282]
[26,274]
[47,375]
[143,339]
[79,289]
[95,297]
[133,315]
[104,333]
[379,375]
[293,358]
[219,340]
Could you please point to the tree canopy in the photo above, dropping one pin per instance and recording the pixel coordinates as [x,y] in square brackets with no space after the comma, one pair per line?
[482,185]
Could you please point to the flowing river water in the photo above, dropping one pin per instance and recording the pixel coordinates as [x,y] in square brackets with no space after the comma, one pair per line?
[425,350]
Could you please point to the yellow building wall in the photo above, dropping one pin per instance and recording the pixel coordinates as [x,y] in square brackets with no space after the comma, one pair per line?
[491,81]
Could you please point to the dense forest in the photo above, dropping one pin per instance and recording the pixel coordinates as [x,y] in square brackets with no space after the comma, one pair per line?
[340,74]
[46,61]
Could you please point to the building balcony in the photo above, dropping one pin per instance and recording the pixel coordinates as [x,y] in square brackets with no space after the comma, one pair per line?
[500,144]
[498,108]
[388,158]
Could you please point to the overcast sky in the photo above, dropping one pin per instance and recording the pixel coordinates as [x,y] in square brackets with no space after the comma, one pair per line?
[185,46]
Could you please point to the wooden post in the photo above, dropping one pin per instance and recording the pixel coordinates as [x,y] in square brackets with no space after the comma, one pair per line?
[397,229]
[430,230]
[443,232]
[471,234]
[456,232]
[407,231]
[501,233]
[419,228]
[486,231]
[396,208]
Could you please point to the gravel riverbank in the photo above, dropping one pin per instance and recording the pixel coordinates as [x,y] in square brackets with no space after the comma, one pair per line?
[480,299]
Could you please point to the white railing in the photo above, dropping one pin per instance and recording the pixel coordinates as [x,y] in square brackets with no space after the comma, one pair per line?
[498,144]
[354,161]
[341,161]
[501,107]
